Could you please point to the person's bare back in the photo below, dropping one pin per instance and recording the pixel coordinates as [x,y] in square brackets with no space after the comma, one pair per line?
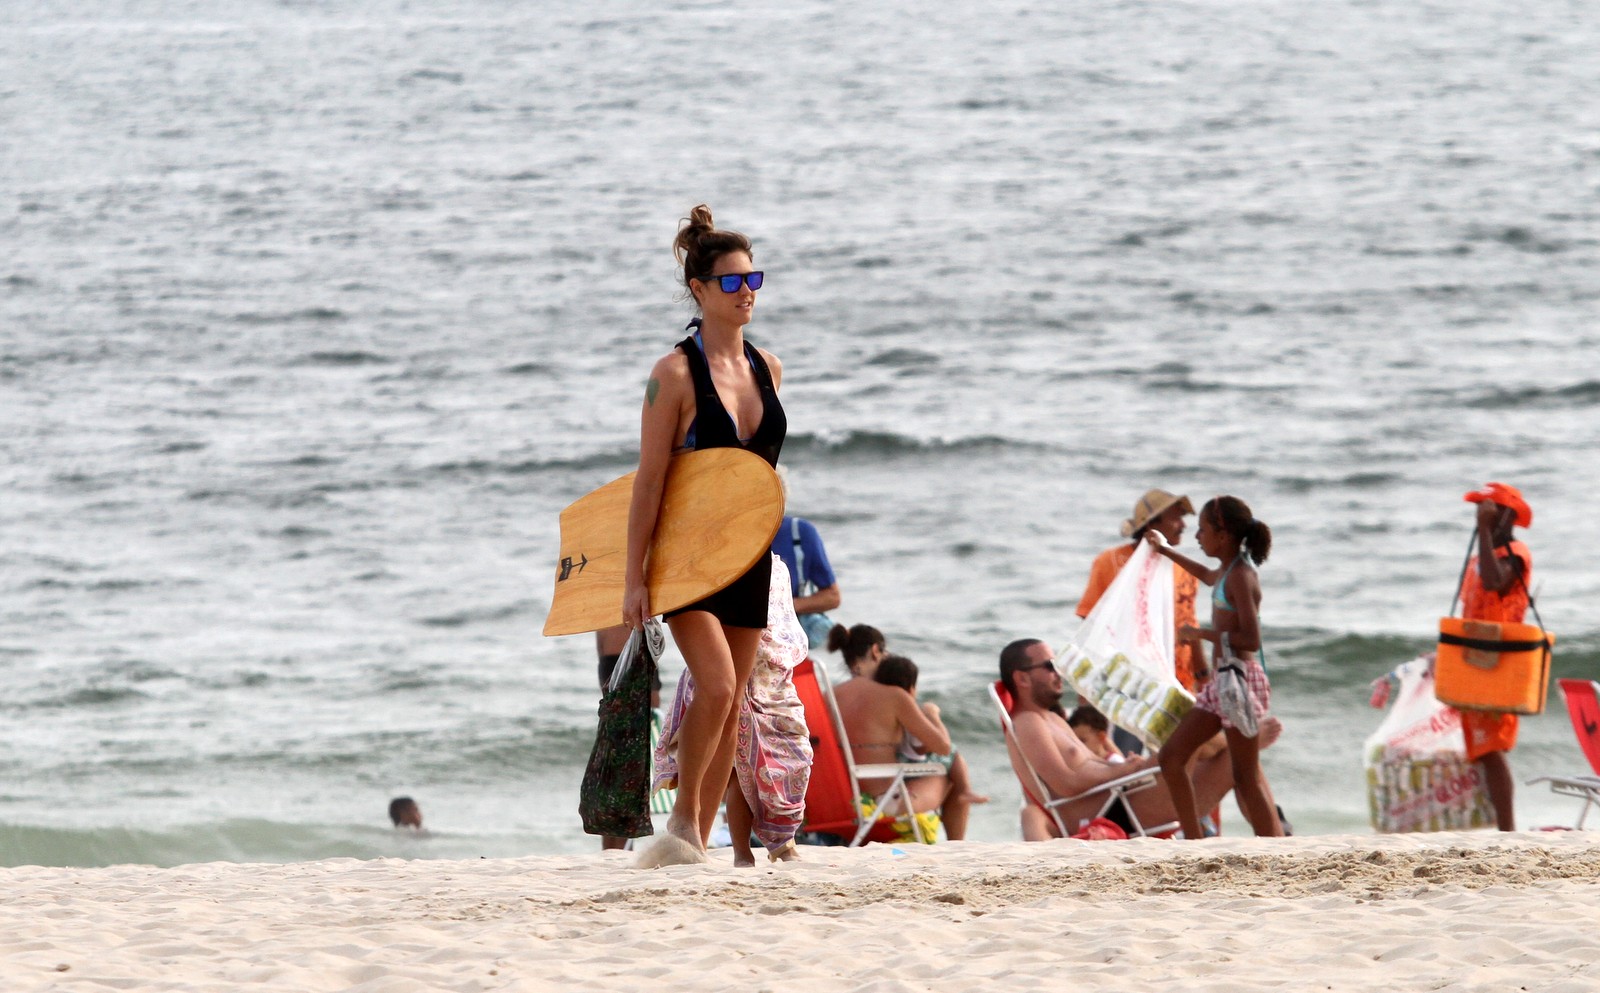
[876,718]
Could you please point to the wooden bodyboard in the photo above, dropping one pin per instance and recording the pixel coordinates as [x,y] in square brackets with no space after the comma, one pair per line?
[720,509]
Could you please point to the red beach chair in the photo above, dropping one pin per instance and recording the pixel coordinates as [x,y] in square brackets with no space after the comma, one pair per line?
[831,796]
[1583,706]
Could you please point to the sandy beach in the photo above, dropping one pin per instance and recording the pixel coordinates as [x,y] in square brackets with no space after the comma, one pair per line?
[1437,912]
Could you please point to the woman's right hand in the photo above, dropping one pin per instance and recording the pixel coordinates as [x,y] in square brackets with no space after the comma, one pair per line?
[1155,539]
[636,606]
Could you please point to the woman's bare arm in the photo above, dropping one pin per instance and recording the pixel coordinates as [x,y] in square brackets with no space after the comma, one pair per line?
[665,396]
[773,366]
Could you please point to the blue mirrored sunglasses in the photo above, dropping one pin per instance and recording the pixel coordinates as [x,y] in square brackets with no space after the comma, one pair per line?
[730,282]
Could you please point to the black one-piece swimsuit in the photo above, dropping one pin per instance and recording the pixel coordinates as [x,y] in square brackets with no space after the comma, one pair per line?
[744,603]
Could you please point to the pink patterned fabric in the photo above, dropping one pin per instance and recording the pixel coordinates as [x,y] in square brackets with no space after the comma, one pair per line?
[1255,681]
[772,754]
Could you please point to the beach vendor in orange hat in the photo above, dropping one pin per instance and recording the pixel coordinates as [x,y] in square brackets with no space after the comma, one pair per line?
[1495,588]
[1160,511]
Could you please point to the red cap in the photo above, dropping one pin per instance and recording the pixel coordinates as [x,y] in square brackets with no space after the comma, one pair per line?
[1506,496]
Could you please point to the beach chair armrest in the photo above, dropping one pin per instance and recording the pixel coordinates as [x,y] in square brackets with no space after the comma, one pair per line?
[889,770]
[1571,782]
[1585,788]
[1133,782]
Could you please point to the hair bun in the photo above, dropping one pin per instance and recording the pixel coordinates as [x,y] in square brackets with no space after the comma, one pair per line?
[699,244]
[691,230]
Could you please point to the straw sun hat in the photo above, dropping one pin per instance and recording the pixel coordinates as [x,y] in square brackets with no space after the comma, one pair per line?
[1150,506]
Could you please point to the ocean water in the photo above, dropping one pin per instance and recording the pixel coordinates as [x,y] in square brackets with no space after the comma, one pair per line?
[314,315]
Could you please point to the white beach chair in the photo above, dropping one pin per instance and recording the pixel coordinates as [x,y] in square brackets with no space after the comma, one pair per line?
[1583,707]
[1038,794]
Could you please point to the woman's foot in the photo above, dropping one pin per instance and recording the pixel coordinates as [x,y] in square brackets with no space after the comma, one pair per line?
[786,852]
[681,845]
[669,849]
[743,859]
[972,797]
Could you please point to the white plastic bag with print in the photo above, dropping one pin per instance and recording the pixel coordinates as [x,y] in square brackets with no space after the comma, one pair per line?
[1418,776]
[1121,658]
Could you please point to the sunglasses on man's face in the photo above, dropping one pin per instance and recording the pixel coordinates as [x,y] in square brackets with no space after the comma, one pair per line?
[730,282]
[1050,665]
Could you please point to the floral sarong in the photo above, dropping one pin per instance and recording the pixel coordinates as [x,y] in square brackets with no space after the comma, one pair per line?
[772,754]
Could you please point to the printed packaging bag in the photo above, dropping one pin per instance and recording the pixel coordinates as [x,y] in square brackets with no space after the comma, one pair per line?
[1418,776]
[1121,658]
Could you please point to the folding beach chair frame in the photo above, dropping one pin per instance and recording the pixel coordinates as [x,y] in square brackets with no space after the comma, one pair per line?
[1585,788]
[898,773]
[1121,788]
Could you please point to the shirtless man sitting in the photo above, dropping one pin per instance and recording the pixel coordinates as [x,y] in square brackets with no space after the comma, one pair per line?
[1027,668]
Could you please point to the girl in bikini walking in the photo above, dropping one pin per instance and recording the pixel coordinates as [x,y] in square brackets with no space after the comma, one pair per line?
[1230,533]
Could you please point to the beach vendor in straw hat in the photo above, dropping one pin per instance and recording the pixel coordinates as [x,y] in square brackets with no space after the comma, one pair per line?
[1160,511]
[1494,587]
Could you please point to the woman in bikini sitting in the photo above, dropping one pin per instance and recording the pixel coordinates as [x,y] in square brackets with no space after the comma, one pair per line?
[877,719]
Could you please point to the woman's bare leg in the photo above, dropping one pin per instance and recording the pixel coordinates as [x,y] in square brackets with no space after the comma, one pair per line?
[1194,731]
[742,644]
[1249,785]
[936,793]
[705,650]
[740,820]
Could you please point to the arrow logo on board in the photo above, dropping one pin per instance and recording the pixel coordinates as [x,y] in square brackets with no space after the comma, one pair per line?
[567,565]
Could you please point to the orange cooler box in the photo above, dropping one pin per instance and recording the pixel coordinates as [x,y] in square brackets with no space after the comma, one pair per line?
[1483,665]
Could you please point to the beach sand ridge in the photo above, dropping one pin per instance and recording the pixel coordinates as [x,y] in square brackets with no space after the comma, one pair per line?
[1424,912]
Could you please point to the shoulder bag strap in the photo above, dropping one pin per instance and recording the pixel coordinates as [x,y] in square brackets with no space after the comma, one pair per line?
[799,555]
[1521,578]
[1532,604]
[1461,582]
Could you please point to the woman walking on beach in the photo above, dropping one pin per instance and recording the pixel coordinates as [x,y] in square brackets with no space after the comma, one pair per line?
[713,390]
[1230,533]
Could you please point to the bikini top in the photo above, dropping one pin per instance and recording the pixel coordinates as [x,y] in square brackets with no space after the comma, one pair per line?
[1219,592]
[713,426]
